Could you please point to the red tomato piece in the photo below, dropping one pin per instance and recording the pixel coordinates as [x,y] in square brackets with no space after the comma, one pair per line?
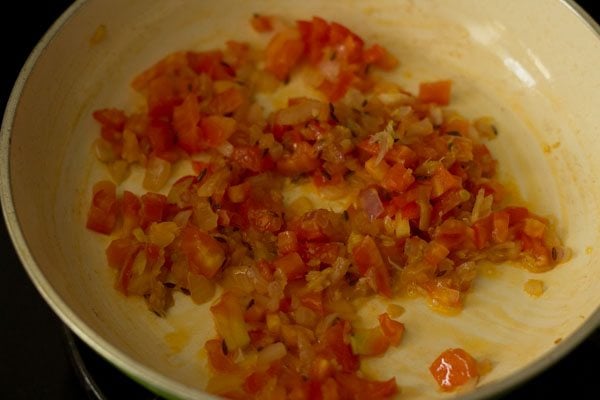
[226,102]
[210,63]
[302,160]
[102,214]
[261,23]
[185,122]
[248,157]
[217,358]
[161,136]
[314,301]
[153,206]
[292,265]
[283,53]
[111,118]
[334,344]
[435,92]
[205,255]
[483,232]
[393,330]
[354,387]
[367,256]
[121,251]
[397,178]
[130,209]
[380,57]
[315,35]
[443,181]
[454,368]
[216,129]
[287,242]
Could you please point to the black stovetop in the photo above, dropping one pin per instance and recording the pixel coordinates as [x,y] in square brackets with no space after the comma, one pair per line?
[40,359]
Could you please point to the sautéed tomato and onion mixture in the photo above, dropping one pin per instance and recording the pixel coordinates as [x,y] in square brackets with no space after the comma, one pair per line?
[417,207]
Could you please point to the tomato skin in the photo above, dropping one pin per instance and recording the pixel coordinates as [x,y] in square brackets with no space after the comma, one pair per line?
[454,368]
[152,208]
[205,255]
[102,214]
[283,53]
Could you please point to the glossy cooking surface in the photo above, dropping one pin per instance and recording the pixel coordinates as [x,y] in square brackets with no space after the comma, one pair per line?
[50,371]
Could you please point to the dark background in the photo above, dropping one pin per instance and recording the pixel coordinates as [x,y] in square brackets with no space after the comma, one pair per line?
[33,358]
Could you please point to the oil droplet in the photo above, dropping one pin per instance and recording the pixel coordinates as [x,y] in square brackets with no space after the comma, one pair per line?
[588,250]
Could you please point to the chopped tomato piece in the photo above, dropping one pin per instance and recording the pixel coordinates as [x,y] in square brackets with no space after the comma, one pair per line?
[227,102]
[454,368]
[130,208]
[216,129]
[398,178]
[292,265]
[205,255]
[210,63]
[315,35]
[352,386]
[302,160]
[111,118]
[367,257]
[435,92]
[121,251]
[287,242]
[261,23]
[102,214]
[379,56]
[283,53]
[218,359]
[334,344]
[393,330]
[185,122]
[152,208]
[161,136]
[442,181]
